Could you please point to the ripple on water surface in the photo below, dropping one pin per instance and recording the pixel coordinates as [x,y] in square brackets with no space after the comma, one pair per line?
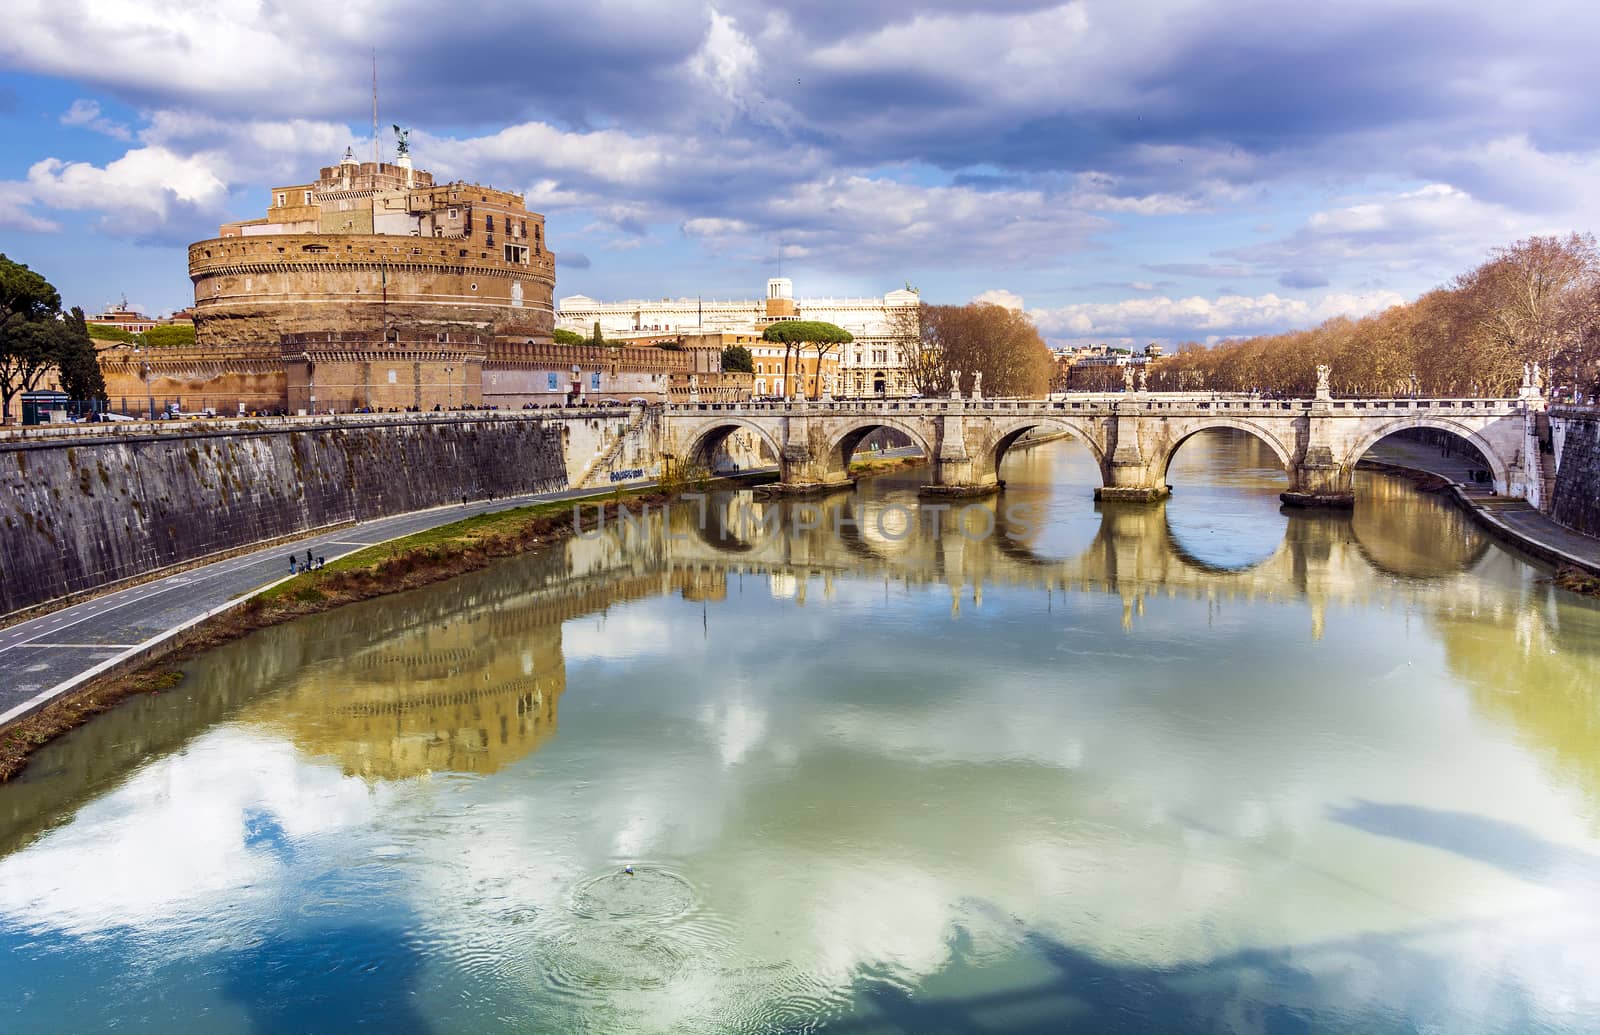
[644,894]
[594,959]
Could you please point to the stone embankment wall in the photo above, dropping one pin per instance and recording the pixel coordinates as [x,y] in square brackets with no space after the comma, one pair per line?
[80,511]
[1577,441]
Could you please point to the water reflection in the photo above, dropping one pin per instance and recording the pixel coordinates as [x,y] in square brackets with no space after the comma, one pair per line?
[1103,764]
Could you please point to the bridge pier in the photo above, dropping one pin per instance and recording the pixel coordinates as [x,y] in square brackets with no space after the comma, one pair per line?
[1317,478]
[801,472]
[955,471]
[1131,480]
[1128,474]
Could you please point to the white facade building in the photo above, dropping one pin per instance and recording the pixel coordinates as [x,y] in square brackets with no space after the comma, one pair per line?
[877,362]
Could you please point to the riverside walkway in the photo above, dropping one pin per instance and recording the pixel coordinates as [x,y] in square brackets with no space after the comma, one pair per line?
[47,656]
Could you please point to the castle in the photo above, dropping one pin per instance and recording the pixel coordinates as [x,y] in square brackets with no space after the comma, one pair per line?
[374,287]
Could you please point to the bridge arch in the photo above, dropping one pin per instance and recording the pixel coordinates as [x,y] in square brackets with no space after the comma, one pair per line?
[1284,454]
[703,442]
[1499,466]
[1005,435]
[842,446]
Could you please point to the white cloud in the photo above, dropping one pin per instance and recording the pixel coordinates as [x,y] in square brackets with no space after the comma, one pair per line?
[138,193]
[1000,297]
[238,48]
[1200,318]
[14,214]
[728,65]
[863,222]
[1436,226]
[87,114]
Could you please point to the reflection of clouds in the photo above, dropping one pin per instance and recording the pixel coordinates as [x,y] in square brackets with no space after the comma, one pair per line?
[1119,822]
[735,726]
[183,836]
[621,633]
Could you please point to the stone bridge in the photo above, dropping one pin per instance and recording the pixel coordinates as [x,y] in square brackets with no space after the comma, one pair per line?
[1133,436]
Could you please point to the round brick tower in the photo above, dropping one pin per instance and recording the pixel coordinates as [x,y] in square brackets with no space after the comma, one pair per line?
[374,249]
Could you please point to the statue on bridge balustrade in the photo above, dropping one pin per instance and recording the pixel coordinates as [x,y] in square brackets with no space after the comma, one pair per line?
[1127,379]
[955,384]
[1324,371]
[977,385]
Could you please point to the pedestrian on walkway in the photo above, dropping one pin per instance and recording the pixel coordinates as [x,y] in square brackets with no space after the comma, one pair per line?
[308,558]
[291,564]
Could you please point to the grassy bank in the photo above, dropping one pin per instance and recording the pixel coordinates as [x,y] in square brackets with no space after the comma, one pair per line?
[417,560]
[1577,580]
[885,464]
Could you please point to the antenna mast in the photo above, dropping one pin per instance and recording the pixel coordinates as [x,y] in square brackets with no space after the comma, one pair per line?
[374,105]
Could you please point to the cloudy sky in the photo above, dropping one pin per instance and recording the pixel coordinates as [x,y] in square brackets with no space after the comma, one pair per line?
[1159,170]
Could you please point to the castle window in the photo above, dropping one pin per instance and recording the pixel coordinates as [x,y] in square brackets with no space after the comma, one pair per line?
[488,224]
[308,197]
[282,200]
[455,213]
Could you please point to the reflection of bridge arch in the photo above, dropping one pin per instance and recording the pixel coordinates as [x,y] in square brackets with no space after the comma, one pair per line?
[1192,559]
[1112,536]
[705,440]
[1398,531]
[1285,454]
[1498,467]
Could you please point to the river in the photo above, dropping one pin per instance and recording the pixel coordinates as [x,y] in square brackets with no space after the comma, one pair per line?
[1206,764]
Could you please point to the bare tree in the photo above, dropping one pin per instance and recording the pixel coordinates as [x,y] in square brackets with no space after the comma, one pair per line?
[1000,343]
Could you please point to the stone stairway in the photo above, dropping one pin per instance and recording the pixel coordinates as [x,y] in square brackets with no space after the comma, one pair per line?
[1547,462]
[598,472]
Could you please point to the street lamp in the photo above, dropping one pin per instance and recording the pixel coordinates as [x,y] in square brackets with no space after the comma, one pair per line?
[144,375]
[449,388]
[311,391]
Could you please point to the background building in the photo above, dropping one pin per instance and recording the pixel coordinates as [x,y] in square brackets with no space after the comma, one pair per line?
[878,362]
[124,318]
[1098,367]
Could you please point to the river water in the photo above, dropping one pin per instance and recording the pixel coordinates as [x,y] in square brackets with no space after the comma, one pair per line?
[1206,764]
